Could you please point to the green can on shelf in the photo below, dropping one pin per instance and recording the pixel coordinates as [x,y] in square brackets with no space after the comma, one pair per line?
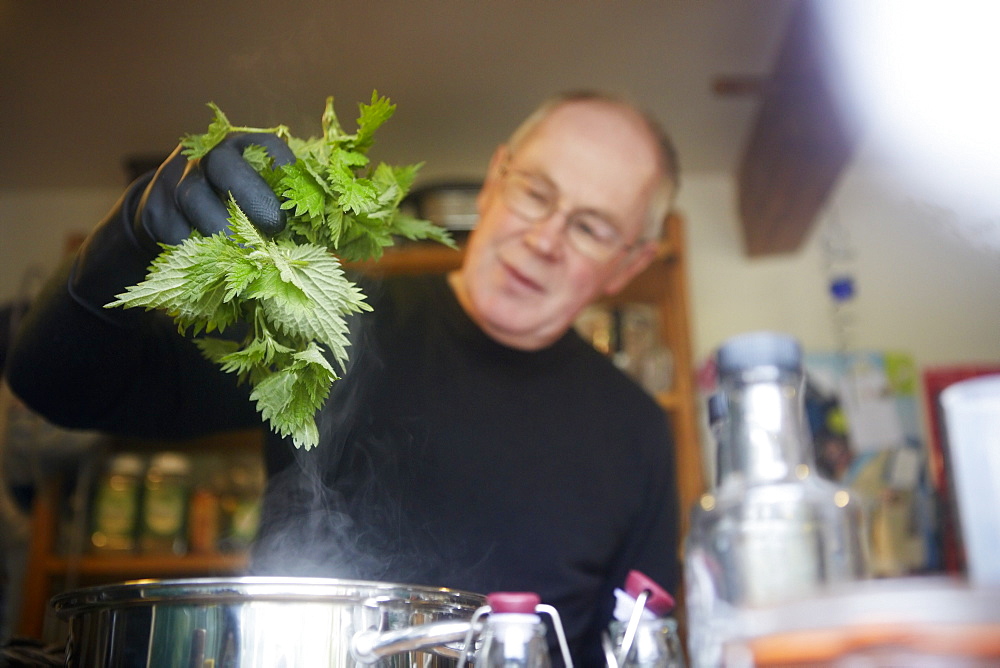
[164,507]
[115,513]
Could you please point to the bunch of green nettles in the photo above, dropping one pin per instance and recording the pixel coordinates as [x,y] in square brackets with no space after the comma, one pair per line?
[290,289]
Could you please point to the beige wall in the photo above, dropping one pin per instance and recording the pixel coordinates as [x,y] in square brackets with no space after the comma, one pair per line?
[928,279]
[36,224]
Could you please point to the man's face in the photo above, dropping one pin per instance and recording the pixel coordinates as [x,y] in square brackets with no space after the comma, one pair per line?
[524,281]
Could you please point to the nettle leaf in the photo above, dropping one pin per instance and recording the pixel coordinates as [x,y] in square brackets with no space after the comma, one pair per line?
[330,296]
[240,271]
[197,146]
[324,232]
[216,349]
[290,289]
[389,191]
[241,230]
[406,175]
[372,117]
[188,281]
[270,284]
[289,398]
[346,160]
[359,196]
[418,229]
[362,245]
[313,148]
[263,164]
[332,132]
[303,229]
[304,191]
[245,360]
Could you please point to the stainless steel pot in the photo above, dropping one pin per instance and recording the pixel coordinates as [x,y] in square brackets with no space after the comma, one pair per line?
[254,621]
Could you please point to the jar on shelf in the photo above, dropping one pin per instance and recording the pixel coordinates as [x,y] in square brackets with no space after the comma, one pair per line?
[241,501]
[641,353]
[115,512]
[165,504]
[205,505]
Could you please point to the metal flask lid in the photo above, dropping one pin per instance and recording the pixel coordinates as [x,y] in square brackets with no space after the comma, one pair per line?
[756,349]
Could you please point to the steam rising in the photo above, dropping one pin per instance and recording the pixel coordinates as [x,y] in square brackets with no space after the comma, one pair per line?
[337,510]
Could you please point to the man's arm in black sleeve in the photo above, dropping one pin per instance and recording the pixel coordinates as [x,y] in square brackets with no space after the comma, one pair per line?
[144,379]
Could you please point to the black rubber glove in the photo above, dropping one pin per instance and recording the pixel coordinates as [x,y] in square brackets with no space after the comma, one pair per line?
[163,207]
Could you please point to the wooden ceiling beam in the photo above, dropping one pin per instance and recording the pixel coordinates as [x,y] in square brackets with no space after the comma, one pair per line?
[799,145]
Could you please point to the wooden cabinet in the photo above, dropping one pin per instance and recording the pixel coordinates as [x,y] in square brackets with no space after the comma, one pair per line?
[663,285]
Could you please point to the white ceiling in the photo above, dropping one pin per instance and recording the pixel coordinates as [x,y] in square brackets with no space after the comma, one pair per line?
[85,83]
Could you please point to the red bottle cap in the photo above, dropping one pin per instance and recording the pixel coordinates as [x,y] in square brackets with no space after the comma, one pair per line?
[659,602]
[513,601]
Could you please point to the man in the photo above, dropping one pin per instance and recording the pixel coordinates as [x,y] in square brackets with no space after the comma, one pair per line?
[475,441]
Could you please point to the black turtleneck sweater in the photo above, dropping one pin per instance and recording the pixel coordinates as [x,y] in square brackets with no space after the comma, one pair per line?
[445,458]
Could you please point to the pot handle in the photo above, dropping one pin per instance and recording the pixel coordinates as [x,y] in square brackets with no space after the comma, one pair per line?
[369,646]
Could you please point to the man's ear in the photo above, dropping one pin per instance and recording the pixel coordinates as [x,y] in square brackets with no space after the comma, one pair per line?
[631,265]
[493,174]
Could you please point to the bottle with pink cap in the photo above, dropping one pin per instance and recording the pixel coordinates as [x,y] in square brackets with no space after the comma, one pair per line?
[642,633]
[512,633]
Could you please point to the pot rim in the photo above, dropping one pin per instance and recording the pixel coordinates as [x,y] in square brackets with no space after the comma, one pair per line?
[235,590]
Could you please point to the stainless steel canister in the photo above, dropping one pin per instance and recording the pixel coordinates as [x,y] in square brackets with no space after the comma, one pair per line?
[256,621]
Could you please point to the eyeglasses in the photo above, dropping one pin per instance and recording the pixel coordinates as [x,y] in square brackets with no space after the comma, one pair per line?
[535,198]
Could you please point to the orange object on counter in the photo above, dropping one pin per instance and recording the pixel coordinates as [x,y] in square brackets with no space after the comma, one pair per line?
[925,621]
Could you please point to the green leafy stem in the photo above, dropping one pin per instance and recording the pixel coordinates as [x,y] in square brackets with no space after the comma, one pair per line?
[290,289]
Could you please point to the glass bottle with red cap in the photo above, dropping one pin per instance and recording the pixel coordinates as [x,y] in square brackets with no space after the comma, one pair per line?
[513,633]
[642,633]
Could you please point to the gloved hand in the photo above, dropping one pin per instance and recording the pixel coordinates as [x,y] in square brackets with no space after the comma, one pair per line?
[164,207]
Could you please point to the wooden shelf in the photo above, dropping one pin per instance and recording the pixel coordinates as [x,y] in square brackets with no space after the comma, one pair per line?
[141,566]
[47,568]
[413,258]
[670,401]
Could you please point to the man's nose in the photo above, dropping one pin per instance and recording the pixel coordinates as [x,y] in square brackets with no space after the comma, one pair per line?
[545,235]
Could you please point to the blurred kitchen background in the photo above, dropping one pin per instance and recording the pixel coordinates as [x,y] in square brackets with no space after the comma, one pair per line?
[839,159]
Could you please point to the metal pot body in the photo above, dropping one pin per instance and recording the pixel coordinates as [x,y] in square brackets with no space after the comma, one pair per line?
[252,621]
